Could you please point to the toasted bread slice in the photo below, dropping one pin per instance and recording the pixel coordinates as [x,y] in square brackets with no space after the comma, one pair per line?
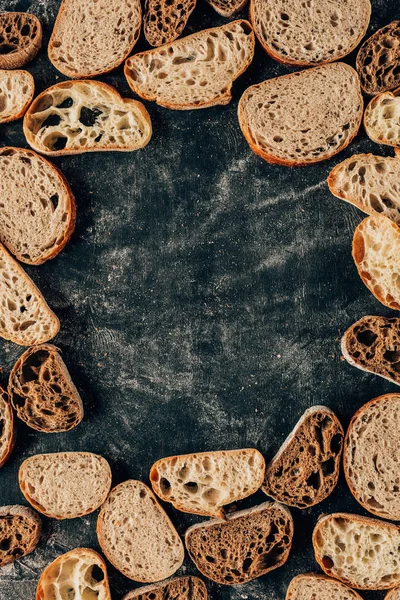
[382,118]
[42,391]
[303,117]
[34,191]
[308,33]
[20,529]
[227,8]
[164,20]
[311,586]
[179,588]
[306,468]
[7,429]
[378,60]
[248,544]
[361,552]
[85,116]
[206,482]
[80,574]
[196,71]
[16,93]
[25,317]
[372,183]
[376,252]
[21,39]
[65,485]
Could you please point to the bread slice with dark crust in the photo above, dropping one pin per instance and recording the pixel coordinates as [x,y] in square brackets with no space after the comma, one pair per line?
[179,588]
[248,544]
[164,20]
[227,8]
[42,391]
[306,468]
[21,39]
[20,529]
[16,93]
[310,586]
[378,60]
[7,429]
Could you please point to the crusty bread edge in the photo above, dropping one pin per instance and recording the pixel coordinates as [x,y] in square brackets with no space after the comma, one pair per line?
[21,58]
[359,66]
[228,13]
[12,439]
[318,577]
[370,106]
[16,510]
[23,110]
[155,586]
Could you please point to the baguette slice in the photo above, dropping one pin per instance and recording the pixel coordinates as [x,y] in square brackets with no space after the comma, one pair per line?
[7,429]
[318,587]
[303,117]
[85,116]
[20,529]
[372,344]
[378,60]
[34,191]
[382,118]
[16,93]
[306,468]
[227,8]
[164,20]
[136,535]
[370,456]
[180,588]
[42,391]
[25,317]
[376,252]
[93,38]
[372,183]
[309,33]
[65,485]
[204,483]
[21,39]
[80,574]
[250,543]
[393,594]
[361,552]
[195,72]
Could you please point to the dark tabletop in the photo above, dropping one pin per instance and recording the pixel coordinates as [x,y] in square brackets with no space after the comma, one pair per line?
[201,299]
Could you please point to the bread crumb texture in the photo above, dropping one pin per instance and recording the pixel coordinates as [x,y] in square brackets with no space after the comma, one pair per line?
[180,588]
[16,92]
[378,60]
[20,529]
[7,433]
[382,118]
[164,20]
[318,587]
[20,39]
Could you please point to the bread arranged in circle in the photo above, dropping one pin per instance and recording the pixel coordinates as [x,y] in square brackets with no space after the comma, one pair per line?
[20,39]
[7,428]
[20,529]
[164,20]
[382,118]
[318,587]
[378,60]
[178,588]
[16,93]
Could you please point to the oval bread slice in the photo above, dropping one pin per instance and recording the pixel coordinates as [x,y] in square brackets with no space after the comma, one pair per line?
[7,429]
[164,20]
[179,588]
[16,93]
[227,8]
[65,485]
[20,529]
[382,118]
[378,60]
[21,39]
[204,483]
[137,536]
[317,587]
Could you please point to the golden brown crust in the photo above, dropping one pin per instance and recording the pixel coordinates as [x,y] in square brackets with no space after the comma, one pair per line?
[19,58]
[23,110]
[5,455]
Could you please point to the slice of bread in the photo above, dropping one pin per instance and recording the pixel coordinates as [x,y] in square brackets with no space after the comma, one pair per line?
[372,344]
[16,93]
[306,468]
[20,529]
[136,534]
[227,8]
[34,191]
[308,33]
[7,429]
[25,317]
[65,485]
[196,71]
[206,482]
[179,588]
[361,552]
[80,574]
[382,118]
[85,116]
[89,40]
[42,391]
[378,60]
[393,594]
[376,252]
[303,117]
[164,20]
[370,456]
[20,39]
[372,183]
[250,543]
[311,586]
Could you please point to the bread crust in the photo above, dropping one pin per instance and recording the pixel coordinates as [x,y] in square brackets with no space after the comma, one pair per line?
[5,455]
[23,110]
[18,510]
[318,577]
[15,60]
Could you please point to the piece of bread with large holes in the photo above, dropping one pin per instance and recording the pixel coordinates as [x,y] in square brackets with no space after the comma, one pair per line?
[382,118]
[303,117]
[164,20]
[16,92]
[20,529]
[85,116]
[196,71]
[65,485]
[361,552]
[378,60]
[21,39]
[376,253]
[136,534]
[248,544]
[204,483]
[308,33]
[227,8]
[306,468]
[310,586]
[178,588]
[80,574]
[34,191]
[7,428]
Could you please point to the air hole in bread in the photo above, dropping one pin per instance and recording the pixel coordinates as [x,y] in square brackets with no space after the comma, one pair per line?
[89,116]
[366,337]
[327,562]
[67,103]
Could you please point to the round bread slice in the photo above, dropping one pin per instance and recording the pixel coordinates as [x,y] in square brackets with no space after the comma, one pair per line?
[36,192]
[317,587]
[303,117]
[309,33]
[7,429]
[137,536]
[382,118]
[16,93]
[20,39]
[20,529]
[378,60]
[179,588]
[65,485]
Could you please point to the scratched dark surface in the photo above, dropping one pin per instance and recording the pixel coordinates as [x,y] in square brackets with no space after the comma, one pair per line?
[201,300]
